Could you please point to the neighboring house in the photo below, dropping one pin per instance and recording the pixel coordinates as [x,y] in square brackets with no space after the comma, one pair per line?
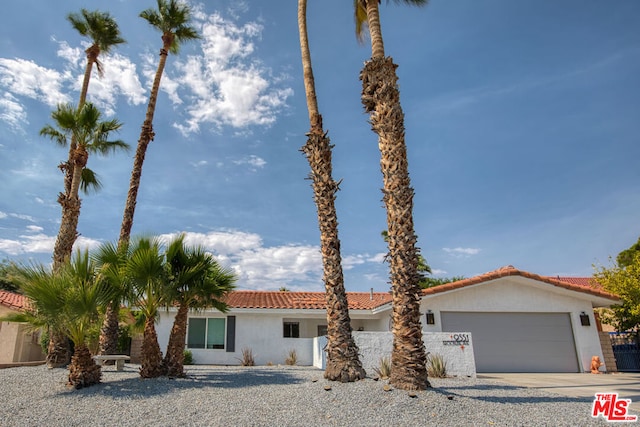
[18,344]
[520,322]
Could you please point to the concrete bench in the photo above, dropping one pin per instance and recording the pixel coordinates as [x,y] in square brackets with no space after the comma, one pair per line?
[118,358]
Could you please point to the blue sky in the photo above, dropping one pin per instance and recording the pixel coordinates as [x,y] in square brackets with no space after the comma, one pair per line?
[522,126]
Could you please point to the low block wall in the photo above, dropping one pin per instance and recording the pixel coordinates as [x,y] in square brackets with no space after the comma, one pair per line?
[455,347]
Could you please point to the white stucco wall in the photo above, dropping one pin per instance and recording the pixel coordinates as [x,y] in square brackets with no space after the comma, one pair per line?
[373,346]
[262,333]
[519,294]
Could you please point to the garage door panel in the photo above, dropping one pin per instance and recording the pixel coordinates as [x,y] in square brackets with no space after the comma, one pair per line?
[517,342]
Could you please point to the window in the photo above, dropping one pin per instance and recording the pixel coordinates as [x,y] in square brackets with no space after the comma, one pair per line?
[206,333]
[322,330]
[291,330]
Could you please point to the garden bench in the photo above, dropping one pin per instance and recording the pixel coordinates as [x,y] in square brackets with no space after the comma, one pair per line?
[118,358]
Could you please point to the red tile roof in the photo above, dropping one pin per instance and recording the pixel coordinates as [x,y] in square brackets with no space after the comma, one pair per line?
[578,284]
[13,300]
[302,300]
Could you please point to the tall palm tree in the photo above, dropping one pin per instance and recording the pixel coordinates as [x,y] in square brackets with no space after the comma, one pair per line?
[104,34]
[343,363]
[67,300]
[196,282]
[92,137]
[381,99]
[145,269]
[172,20]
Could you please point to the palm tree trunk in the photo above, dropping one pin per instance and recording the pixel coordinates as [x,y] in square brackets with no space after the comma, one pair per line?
[83,370]
[92,56]
[381,99]
[174,359]
[68,232]
[343,363]
[58,351]
[373,21]
[152,365]
[146,136]
[110,330]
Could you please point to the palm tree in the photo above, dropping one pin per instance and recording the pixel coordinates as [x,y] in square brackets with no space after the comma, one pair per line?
[145,269]
[171,19]
[381,99]
[91,136]
[111,260]
[67,301]
[104,34]
[196,282]
[43,289]
[343,363]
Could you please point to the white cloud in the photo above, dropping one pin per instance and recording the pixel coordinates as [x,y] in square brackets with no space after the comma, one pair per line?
[259,266]
[253,161]
[220,242]
[26,78]
[40,243]
[23,217]
[256,265]
[459,252]
[199,163]
[3,215]
[227,87]
[74,56]
[120,79]
[438,272]
[12,112]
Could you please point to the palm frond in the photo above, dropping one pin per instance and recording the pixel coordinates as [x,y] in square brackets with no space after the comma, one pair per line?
[90,182]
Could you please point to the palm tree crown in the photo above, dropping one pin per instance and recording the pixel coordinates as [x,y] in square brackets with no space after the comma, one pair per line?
[171,18]
[90,134]
[101,28]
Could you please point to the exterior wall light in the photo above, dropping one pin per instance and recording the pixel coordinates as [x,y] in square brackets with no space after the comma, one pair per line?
[431,320]
[584,319]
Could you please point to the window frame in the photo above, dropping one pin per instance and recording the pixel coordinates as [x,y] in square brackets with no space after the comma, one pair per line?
[291,329]
[206,337]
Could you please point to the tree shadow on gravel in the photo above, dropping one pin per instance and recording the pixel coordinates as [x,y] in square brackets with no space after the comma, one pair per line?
[135,387]
[498,393]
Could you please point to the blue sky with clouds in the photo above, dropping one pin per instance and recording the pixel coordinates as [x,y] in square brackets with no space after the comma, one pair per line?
[522,125]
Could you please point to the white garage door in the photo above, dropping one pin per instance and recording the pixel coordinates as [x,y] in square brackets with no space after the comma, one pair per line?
[517,342]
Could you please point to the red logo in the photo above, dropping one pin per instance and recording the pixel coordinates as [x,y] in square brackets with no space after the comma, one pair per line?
[611,408]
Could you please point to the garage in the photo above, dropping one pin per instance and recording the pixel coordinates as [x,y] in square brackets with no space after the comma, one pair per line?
[517,342]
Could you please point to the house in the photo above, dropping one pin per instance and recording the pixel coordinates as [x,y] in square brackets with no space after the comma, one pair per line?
[519,322]
[18,344]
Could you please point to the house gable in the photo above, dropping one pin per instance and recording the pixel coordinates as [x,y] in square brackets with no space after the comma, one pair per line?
[581,288]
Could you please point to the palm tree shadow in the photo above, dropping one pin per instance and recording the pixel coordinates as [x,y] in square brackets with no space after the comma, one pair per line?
[136,387]
[494,393]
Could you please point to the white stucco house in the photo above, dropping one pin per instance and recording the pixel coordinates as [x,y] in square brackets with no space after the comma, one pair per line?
[519,322]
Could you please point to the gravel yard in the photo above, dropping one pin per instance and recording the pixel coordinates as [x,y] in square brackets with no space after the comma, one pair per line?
[272,396]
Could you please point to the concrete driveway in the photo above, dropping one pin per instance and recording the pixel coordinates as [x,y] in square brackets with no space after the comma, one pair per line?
[626,384]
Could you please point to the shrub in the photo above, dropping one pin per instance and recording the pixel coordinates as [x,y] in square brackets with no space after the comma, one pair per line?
[188,358]
[292,359]
[436,366]
[247,357]
[384,368]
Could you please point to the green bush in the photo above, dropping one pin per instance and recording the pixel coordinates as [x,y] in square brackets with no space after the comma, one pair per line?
[188,357]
